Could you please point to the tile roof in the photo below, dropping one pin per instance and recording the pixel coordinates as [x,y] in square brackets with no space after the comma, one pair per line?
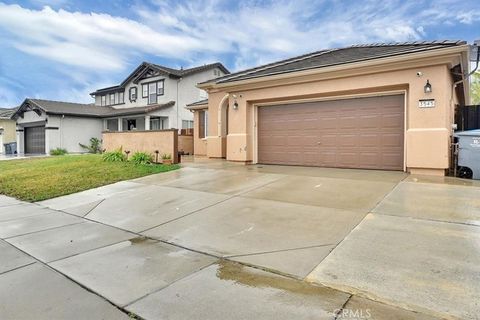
[332,57]
[90,110]
[6,113]
[197,105]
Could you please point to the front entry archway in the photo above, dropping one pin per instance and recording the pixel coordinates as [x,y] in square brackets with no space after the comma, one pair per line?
[223,124]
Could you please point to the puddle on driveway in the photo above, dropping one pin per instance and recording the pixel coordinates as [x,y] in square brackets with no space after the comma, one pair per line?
[138,240]
[251,277]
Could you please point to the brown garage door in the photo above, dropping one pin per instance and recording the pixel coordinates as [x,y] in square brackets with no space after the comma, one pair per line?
[362,133]
[34,139]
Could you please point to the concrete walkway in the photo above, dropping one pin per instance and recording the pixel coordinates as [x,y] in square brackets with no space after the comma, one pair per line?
[216,240]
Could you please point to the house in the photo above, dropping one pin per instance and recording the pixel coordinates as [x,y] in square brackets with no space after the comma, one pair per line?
[380,106]
[152,97]
[154,86]
[7,128]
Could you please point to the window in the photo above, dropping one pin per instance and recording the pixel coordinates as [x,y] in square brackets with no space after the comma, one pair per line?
[203,94]
[151,90]
[131,124]
[133,94]
[187,124]
[152,93]
[160,88]
[112,98]
[103,101]
[112,125]
[203,124]
[159,123]
[120,97]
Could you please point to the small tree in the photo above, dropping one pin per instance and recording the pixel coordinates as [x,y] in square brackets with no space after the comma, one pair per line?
[94,147]
[475,88]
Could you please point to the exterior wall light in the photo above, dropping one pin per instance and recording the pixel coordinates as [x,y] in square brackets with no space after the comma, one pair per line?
[235,103]
[428,87]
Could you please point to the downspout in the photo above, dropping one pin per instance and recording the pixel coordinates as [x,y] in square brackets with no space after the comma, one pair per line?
[178,81]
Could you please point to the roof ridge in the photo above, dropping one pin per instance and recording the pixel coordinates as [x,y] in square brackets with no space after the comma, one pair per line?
[406,43]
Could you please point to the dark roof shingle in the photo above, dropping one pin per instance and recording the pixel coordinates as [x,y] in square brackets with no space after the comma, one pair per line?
[178,73]
[332,57]
[90,110]
[6,113]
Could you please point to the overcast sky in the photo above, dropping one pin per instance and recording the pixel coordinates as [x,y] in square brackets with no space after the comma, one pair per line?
[65,49]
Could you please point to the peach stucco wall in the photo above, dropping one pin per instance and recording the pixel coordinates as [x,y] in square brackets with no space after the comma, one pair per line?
[428,130]
[185,144]
[165,141]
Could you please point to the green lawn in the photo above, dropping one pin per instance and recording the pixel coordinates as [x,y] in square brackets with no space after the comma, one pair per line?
[44,178]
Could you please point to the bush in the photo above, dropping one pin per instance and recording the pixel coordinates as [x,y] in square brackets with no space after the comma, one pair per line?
[166,156]
[94,147]
[114,156]
[58,152]
[142,158]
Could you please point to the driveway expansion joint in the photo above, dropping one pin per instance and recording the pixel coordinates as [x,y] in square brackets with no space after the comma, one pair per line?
[280,250]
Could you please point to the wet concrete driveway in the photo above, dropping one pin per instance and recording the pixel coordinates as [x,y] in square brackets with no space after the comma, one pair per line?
[216,240]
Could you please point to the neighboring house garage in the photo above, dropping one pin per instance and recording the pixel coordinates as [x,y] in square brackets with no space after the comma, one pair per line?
[34,139]
[382,106]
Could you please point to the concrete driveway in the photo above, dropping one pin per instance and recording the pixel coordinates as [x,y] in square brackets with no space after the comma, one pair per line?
[216,240]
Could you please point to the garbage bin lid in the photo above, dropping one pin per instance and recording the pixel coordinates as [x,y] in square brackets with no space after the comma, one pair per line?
[475,132]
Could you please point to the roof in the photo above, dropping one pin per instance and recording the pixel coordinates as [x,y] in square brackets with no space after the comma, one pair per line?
[86,110]
[137,110]
[338,56]
[6,113]
[175,73]
[197,105]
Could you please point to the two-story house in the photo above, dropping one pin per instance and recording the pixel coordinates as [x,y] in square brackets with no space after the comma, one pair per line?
[163,91]
[152,97]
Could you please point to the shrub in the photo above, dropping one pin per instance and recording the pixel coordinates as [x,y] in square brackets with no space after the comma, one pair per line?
[58,152]
[114,156]
[166,156]
[94,147]
[142,158]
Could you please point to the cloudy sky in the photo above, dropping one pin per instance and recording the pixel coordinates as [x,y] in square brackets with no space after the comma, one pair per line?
[65,49]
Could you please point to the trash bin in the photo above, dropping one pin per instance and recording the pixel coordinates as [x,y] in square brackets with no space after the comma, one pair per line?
[10,148]
[469,153]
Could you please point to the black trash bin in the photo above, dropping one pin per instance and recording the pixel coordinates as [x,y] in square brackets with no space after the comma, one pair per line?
[10,148]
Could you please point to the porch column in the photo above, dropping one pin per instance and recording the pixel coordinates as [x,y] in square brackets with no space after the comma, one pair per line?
[105,127]
[120,124]
[147,123]
[20,140]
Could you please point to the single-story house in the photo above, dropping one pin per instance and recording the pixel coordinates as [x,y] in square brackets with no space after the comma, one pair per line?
[43,125]
[7,128]
[380,106]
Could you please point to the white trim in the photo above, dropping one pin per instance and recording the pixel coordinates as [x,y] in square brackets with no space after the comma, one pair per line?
[329,98]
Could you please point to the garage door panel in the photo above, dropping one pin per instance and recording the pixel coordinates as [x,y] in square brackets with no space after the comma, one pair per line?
[34,139]
[353,133]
